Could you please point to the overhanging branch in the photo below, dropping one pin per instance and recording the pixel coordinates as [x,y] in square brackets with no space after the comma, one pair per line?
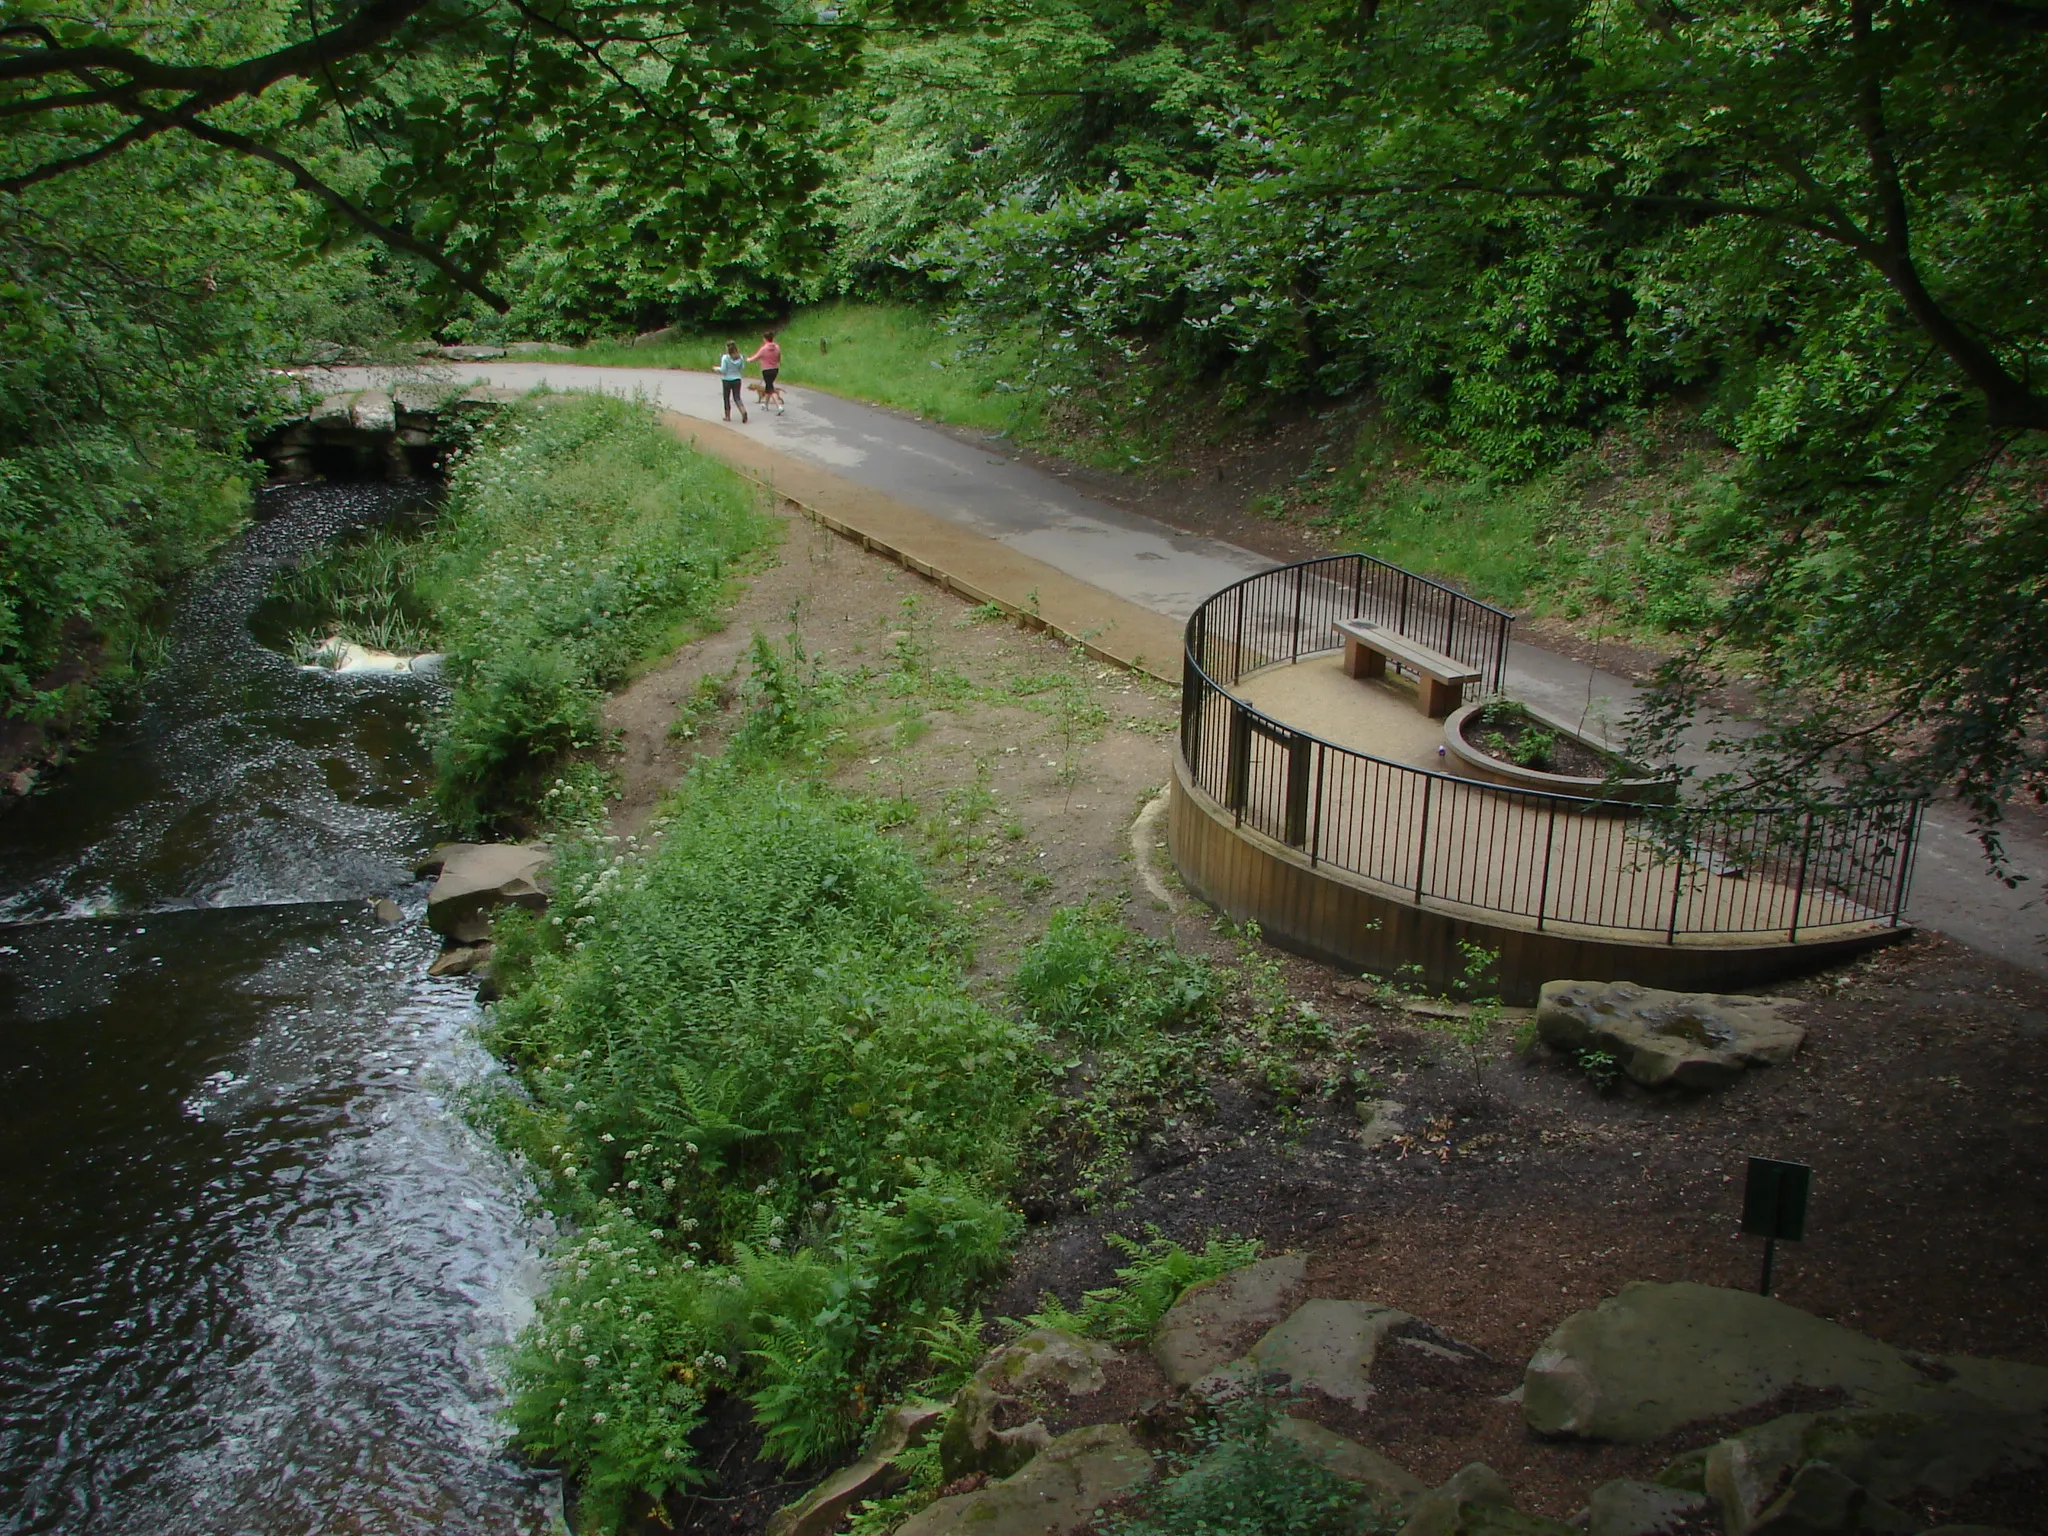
[313,186]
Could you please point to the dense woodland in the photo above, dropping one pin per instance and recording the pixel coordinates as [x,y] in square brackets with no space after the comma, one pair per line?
[1817,233]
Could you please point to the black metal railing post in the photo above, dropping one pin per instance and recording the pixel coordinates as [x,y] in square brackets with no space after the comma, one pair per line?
[1678,862]
[1238,761]
[1422,842]
[1315,823]
[1799,886]
[1543,891]
[1299,746]
[1294,648]
[1902,877]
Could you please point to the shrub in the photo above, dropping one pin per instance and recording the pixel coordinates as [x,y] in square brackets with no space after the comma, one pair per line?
[1159,1272]
[1244,1480]
[513,720]
[1092,977]
[751,1068]
[363,588]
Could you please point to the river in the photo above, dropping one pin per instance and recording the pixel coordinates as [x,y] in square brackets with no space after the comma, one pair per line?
[259,1270]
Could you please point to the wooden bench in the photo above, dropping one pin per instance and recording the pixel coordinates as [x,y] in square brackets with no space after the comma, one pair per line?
[1440,679]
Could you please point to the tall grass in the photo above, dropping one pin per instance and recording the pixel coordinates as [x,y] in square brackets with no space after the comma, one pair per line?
[1626,536]
[893,354]
[579,539]
[364,588]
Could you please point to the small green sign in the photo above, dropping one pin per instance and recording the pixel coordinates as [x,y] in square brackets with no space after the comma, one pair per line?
[1774,1200]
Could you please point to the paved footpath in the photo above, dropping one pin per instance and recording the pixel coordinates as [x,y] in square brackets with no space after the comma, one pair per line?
[999,530]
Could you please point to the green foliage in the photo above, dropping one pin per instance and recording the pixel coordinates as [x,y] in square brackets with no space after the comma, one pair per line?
[362,588]
[1094,979]
[577,540]
[1602,1068]
[1470,1027]
[789,697]
[134,319]
[1242,1479]
[1531,747]
[1159,1272]
[637,141]
[750,1048]
[879,1517]
[1813,226]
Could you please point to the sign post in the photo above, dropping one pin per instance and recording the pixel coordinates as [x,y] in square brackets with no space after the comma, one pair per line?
[1774,1206]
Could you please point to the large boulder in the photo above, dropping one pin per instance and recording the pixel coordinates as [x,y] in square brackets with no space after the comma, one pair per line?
[474,879]
[1821,1500]
[993,1426]
[1204,1329]
[1667,1039]
[1324,1346]
[1049,1358]
[1655,1357]
[875,1476]
[1059,1490]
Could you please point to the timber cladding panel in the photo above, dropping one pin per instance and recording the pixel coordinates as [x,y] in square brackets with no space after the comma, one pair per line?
[1332,916]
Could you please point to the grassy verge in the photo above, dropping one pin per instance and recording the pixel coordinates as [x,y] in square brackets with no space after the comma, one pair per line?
[893,354]
[578,540]
[1625,538]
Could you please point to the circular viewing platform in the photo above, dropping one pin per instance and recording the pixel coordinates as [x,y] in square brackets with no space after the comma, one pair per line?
[1317,792]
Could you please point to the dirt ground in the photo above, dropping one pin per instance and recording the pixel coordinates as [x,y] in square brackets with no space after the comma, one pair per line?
[1522,1191]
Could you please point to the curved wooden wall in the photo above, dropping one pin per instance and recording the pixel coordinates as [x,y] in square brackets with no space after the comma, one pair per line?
[1333,916]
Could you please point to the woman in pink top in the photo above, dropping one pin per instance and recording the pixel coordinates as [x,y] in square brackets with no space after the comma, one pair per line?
[769,356]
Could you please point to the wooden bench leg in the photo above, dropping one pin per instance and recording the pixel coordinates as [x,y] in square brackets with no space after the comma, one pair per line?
[1440,698]
[1362,661]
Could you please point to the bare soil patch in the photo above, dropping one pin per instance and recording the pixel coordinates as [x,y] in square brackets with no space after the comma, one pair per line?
[1530,1194]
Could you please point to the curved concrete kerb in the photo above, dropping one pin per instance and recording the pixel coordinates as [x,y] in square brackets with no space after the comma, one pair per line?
[1148,833]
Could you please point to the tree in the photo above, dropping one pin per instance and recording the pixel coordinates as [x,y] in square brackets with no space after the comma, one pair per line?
[461,116]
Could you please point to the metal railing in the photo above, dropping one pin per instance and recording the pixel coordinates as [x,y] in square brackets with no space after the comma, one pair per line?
[1567,863]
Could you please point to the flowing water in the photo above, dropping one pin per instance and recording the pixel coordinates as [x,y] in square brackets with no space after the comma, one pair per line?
[258,1272]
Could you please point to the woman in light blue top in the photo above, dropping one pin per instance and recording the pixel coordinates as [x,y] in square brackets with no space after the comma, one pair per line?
[731,369]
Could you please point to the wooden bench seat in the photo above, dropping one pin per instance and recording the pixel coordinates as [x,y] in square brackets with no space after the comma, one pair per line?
[1441,679]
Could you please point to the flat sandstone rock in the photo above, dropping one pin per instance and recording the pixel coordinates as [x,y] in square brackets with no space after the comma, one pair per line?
[1058,1491]
[1201,1331]
[1326,1346]
[1655,1357]
[1667,1039]
[475,878]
